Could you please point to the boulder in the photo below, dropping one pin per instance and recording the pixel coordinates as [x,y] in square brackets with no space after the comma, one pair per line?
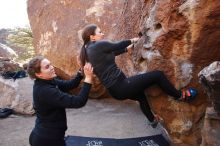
[6,51]
[210,80]
[17,95]
[8,65]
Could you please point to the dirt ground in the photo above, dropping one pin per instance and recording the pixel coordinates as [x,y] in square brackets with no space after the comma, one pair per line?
[107,118]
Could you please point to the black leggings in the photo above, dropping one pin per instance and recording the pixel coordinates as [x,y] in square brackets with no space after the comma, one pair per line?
[36,140]
[133,88]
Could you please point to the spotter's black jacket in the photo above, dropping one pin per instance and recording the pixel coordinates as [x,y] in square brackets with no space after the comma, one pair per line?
[50,101]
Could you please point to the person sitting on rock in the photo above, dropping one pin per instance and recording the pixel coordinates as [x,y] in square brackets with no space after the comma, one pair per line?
[101,54]
[50,100]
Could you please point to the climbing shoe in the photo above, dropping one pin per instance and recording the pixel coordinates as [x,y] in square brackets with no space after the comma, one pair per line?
[188,95]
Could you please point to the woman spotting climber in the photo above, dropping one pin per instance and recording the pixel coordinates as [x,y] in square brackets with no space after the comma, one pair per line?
[50,100]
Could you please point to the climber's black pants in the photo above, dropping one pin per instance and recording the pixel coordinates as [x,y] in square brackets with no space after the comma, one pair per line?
[133,88]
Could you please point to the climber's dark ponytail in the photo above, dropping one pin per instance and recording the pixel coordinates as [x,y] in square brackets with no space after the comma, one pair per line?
[87,31]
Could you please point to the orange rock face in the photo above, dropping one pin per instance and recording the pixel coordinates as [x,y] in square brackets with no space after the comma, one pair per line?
[180,37]
[57,25]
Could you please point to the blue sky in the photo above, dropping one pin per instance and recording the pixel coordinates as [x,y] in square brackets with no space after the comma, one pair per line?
[13,13]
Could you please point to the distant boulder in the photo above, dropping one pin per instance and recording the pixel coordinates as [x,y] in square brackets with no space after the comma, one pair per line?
[17,95]
[6,51]
[6,64]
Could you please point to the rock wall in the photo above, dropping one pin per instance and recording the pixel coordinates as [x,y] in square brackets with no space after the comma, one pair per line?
[180,37]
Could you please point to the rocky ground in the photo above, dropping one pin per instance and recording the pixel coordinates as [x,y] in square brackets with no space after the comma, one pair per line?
[106,118]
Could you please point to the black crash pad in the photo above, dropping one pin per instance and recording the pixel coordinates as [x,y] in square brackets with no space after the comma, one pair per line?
[156,140]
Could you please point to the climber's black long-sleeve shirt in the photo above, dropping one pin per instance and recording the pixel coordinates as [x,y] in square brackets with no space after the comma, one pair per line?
[50,102]
[101,54]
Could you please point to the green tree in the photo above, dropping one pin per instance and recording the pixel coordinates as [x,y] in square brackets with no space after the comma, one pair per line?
[21,40]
